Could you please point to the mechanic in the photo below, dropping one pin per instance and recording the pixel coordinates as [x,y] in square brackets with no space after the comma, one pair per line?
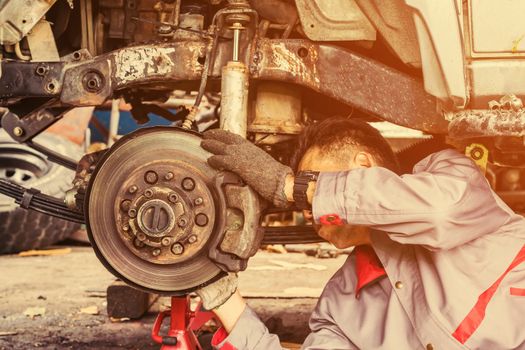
[438,262]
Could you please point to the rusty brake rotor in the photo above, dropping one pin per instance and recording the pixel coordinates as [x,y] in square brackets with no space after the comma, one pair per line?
[156,213]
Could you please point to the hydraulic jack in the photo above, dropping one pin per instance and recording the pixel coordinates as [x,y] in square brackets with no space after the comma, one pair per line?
[183,323]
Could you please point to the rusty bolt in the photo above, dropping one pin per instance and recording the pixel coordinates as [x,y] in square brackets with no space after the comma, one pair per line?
[138,243]
[93,81]
[476,153]
[125,227]
[168,176]
[177,249]
[201,219]
[151,177]
[183,222]
[165,30]
[125,205]
[18,131]
[132,213]
[133,189]
[172,197]
[166,241]
[42,70]
[302,52]
[188,184]
[198,201]
[141,236]
[156,252]
[148,193]
[192,239]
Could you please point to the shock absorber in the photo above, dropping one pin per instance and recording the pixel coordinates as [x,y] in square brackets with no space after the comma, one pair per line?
[234,84]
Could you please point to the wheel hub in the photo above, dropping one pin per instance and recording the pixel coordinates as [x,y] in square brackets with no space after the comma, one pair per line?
[160,206]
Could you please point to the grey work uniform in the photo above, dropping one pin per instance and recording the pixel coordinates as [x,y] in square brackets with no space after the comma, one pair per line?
[453,252]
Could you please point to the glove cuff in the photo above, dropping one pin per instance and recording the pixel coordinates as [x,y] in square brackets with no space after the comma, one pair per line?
[217,293]
[279,197]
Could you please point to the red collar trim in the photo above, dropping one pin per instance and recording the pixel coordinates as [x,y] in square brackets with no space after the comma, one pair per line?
[368,267]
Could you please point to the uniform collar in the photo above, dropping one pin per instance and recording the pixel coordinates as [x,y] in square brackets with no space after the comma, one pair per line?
[368,267]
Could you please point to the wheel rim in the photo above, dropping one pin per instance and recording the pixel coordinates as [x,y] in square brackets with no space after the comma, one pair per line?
[21,165]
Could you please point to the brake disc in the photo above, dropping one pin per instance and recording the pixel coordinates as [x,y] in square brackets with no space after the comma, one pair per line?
[156,212]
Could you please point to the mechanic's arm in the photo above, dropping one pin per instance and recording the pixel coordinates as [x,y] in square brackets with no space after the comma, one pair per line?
[243,330]
[445,203]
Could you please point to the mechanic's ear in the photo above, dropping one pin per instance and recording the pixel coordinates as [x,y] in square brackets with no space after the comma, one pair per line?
[308,215]
[364,159]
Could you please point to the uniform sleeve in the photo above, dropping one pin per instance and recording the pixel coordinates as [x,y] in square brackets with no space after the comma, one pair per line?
[446,202]
[249,333]
[327,338]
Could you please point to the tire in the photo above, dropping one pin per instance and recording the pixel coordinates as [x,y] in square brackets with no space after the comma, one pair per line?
[22,229]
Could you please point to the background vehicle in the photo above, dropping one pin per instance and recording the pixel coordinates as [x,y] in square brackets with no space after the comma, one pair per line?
[157,215]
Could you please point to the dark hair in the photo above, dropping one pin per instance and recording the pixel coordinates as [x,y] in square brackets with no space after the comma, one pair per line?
[333,136]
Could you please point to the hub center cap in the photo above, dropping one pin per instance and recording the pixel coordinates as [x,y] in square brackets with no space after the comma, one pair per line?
[156,218]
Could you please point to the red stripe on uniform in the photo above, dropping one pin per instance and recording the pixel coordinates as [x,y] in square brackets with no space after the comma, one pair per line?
[519,292]
[474,318]
[219,336]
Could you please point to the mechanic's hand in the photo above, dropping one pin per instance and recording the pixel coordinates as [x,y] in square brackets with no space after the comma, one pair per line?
[257,168]
[217,293]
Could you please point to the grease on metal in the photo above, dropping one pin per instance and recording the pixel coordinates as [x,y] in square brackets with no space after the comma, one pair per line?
[136,63]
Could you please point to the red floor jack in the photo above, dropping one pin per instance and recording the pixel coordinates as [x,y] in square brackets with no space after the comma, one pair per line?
[183,322]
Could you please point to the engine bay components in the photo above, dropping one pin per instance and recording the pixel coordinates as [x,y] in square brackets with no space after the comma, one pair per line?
[157,213]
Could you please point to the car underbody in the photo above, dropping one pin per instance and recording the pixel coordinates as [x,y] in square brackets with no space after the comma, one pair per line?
[158,216]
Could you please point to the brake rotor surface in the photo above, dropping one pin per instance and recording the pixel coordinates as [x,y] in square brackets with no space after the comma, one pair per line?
[150,211]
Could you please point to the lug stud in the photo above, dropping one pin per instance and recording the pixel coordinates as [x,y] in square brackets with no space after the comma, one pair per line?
[183,222]
[198,201]
[166,241]
[192,239]
[133,189]
[156,252]
[168,176]
[177,249]
[201,219]
[125,205]
[188,184]
[151,177]
[172,197]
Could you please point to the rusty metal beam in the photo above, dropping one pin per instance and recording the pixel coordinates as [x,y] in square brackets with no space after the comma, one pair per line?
[128,67]
[487,123]
[357,81]
[352,79]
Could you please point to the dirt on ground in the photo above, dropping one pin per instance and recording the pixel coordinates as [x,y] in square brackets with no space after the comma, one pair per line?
[59,301]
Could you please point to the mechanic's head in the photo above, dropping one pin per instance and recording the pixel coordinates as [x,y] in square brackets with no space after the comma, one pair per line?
[339,144]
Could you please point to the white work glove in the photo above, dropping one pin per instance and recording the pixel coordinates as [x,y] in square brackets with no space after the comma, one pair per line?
[217,293]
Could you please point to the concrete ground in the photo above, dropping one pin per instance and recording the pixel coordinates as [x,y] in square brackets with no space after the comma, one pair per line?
[58,302]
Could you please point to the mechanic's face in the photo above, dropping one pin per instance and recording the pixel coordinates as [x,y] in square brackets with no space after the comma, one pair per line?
[340,236]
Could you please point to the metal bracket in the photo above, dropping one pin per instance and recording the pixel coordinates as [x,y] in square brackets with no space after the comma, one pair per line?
[23,129]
